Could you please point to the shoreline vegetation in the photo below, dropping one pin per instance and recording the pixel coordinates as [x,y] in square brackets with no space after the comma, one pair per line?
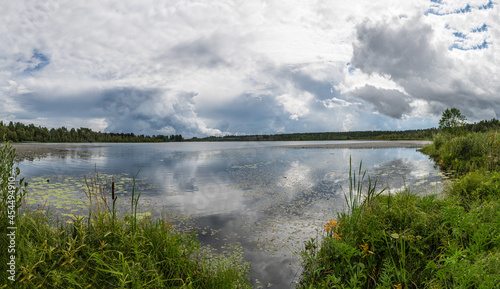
[450,240]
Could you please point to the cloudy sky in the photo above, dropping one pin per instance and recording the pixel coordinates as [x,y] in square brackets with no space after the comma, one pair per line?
[218,67]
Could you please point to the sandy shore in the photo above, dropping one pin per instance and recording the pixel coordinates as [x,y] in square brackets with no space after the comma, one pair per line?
[367,145]
[32,151]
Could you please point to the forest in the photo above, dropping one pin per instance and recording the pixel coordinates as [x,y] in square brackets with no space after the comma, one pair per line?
[19,132]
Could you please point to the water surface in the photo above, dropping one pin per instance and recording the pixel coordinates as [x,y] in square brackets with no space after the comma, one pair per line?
[265,196]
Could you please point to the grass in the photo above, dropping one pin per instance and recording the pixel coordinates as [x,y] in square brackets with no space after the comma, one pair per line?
[466,153]
[108,249]
[408,241]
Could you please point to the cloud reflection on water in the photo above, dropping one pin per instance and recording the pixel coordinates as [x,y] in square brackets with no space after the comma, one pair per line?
[270,200]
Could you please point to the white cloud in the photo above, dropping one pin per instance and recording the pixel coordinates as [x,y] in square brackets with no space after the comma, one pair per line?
[194,67]
[296,105]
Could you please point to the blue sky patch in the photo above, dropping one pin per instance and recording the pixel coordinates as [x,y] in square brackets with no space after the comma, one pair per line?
[351,69]
[467,9]
[459,35]
[481,28]
[37,62]
[489,5]
[435,9]
[458,45]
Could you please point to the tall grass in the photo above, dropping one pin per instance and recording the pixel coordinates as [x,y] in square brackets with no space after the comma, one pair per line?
[356,199]
[11,199]
[110,249]
[466,153]
[408,241]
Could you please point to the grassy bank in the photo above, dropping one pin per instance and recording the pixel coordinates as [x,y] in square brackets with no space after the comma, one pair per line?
[408,241]
[466,152]
[106,249]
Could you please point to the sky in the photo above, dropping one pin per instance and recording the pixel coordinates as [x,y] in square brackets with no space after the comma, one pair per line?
[201,68]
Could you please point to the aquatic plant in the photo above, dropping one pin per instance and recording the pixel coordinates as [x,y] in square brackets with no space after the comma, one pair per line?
[107,249]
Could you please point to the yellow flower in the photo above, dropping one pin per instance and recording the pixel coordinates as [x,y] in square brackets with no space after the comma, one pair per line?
[331,226]
[398,286]
[365,250]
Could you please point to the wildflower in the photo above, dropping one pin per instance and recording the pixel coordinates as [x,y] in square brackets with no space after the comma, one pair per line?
[365,249]
[398,286]
[331,226]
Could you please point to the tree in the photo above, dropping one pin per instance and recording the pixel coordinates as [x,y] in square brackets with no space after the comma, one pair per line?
[452,120]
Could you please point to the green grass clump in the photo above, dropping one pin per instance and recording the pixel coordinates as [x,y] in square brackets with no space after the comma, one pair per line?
[480,184]
[107,249]
[408,241]
[106,255]
[466,153]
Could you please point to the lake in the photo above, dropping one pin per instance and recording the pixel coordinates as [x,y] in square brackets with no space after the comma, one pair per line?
[267,197]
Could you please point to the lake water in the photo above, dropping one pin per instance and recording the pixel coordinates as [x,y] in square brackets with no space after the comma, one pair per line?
[264,196]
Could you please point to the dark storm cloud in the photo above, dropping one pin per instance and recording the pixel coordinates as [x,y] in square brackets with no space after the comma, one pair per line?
[247,113]
[389,102]
[200,52]
[406,51]
[151,112]
[303,81]
[47,104]
[395,49]
[143,111]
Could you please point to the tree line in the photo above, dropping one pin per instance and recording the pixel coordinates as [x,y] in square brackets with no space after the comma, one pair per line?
[350,135]
[19,132]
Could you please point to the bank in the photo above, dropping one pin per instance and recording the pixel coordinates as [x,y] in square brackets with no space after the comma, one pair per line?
[401,240]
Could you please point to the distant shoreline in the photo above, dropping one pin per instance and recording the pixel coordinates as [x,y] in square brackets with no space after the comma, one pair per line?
[366,145]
